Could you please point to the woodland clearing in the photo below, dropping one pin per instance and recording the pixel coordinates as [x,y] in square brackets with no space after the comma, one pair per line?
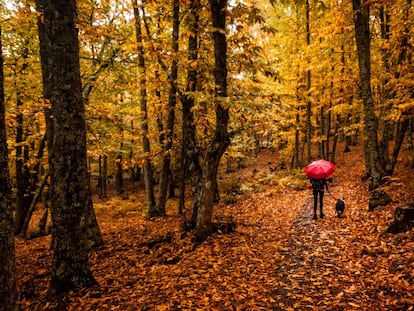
[277,257]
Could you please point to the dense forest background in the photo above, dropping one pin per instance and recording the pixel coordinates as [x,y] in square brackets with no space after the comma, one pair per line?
[293,79]
[171,93]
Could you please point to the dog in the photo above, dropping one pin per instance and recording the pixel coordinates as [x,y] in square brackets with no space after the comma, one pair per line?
[340,207]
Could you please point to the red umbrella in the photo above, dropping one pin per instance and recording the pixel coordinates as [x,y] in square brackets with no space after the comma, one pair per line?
[319,169]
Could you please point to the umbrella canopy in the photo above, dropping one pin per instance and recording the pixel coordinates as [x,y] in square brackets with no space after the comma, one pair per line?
[319,169]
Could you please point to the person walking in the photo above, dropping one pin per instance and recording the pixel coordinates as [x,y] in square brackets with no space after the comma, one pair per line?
[318,189]
[318,172]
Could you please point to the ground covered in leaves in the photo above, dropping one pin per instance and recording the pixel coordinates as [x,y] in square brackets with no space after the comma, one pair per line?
[277,258]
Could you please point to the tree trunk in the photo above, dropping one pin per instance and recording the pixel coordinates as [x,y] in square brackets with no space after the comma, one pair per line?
[329,123]
[410,135]
[119,173]
[321,123]
[150,210]
[335,139]
[362,35]
[295,162]
[103,174]
[385,124]
[30,211]
[189,155]
[404,124]
[308,87]
[69,187]
[23,177]
[221,137]
[167,144]
[402,127]
[8,283]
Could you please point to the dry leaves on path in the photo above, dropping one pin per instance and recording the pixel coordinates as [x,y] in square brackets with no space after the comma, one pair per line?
[278,258]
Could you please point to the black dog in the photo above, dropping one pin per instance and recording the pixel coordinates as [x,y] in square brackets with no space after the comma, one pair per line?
[340,207]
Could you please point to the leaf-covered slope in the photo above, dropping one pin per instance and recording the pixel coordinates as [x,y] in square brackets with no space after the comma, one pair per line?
[278,258]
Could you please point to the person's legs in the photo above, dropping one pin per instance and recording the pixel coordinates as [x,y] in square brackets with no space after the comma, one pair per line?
[315,203]
[321,203]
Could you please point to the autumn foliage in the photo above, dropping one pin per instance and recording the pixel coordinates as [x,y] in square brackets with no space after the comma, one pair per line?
[277,258]
[170,91]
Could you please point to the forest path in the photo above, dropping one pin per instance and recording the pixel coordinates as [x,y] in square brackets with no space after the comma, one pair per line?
[311,271]
[277,258]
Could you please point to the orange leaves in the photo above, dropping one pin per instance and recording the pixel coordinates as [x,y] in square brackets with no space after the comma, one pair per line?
[277,259]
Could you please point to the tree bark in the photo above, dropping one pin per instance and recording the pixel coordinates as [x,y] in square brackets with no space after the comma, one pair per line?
[150,210]
[8,283]
[24,182]
[189,155]
[69,188]
[103,174]
[404,124]
[119,176]
[35,199]
[221,138]
[167,144]
[362,35]
[308,87]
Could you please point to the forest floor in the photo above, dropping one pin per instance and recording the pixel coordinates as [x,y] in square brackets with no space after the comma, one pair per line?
[277,258]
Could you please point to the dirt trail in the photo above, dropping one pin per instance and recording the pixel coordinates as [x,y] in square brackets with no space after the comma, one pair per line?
[337,264]
[311,271]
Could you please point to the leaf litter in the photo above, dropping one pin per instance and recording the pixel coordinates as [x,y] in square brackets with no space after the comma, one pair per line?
[277,258]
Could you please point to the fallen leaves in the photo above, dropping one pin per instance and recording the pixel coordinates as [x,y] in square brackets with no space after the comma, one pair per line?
[277,259]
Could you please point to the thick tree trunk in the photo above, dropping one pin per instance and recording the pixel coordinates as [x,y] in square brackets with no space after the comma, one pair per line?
[221,137]
[69,187]
[150,210]
[8,283]
[362,35]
